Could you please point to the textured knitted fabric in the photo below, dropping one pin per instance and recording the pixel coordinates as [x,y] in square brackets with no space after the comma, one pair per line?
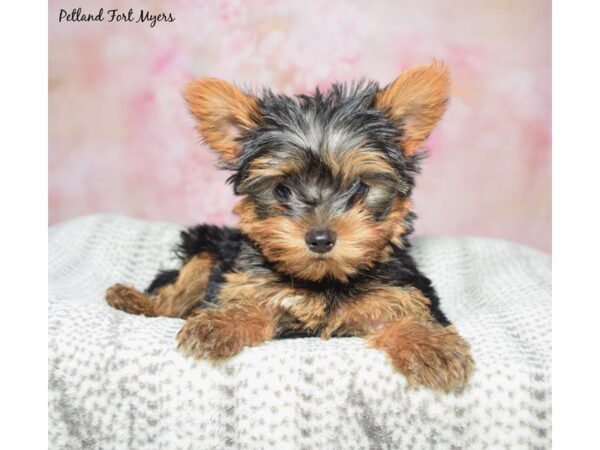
[117,381]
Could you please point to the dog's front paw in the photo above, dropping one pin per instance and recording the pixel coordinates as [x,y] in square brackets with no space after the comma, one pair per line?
[221,334]
[427,353]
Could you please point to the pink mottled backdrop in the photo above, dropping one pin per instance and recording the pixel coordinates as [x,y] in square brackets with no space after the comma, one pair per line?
[121,140]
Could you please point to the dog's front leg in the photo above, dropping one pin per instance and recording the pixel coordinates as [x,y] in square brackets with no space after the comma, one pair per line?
[223,332]
[426,352]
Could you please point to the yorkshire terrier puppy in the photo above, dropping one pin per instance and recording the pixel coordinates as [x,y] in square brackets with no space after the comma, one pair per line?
[325,182]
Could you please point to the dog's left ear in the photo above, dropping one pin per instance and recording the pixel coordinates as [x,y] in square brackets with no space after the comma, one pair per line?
[415,101]
[223,112]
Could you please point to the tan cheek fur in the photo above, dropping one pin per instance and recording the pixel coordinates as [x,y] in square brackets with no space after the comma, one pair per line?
[360,241]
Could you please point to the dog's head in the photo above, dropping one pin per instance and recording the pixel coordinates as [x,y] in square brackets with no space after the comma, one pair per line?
[326,179]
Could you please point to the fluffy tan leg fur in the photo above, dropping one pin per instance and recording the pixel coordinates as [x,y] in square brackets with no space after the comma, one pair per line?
[222,333]
[173,300]
[130,300]
[427,353]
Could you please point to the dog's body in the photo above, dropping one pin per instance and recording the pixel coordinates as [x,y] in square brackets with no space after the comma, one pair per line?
[325,214]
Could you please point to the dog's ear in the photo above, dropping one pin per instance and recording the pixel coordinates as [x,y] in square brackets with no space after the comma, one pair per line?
[415,101]
[222,112]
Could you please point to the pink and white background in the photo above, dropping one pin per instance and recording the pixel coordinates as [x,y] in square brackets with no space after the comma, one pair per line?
[121,141]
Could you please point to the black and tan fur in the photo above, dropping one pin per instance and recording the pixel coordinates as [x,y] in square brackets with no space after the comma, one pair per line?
[344,161]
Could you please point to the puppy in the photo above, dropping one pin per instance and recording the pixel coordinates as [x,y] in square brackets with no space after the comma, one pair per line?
[325,182]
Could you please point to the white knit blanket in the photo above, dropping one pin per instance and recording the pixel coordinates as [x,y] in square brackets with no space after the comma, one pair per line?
[117,381]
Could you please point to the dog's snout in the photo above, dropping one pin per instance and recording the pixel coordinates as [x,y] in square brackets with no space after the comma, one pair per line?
[320,240]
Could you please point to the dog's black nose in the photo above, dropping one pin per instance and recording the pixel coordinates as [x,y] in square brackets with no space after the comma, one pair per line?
[320,240]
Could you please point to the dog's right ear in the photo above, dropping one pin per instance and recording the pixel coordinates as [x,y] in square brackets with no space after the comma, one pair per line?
[223,112]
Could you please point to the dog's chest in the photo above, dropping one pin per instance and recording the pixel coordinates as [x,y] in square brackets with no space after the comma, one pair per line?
[328,313]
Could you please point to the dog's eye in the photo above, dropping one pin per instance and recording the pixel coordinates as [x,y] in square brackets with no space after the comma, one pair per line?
[282,192]
[361,189]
